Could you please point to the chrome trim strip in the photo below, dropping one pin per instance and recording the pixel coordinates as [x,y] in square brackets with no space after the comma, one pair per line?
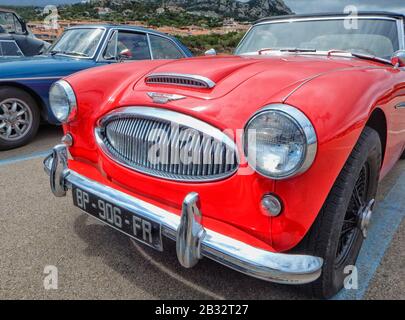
[326,18]
[208,83]
[172,117]
[31,78]
[401,33]
[307,129]
[400,105]
[150,46]
[242,257]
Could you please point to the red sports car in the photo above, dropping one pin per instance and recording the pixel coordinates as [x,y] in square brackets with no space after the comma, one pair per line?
[267,161]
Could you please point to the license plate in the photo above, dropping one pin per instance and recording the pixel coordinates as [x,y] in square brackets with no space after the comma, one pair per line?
[129,223]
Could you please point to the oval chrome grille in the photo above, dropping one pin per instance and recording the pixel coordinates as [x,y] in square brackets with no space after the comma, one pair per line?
[167,144]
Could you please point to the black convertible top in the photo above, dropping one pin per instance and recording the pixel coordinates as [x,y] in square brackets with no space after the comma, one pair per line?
[336,14]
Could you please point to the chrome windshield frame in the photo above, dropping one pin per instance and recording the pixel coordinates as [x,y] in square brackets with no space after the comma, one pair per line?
[400,27]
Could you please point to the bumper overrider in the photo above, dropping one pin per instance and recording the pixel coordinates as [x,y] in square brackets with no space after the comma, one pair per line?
[193,241]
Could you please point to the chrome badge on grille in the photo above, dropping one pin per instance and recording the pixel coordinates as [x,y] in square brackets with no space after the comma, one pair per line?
[163,98]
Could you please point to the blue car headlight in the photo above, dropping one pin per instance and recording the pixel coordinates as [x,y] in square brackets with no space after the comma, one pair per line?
[62,100]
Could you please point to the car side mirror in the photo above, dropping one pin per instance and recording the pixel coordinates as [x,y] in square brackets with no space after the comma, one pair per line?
[398,59]
[125,54]
[211,52]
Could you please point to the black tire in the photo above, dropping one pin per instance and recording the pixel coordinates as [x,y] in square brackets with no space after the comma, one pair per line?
[325,238]
[32,117]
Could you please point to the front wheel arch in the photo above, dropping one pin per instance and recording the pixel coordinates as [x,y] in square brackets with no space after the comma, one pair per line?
[40,102]
[378,122]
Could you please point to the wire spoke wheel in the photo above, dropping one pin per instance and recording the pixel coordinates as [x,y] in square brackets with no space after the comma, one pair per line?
[353,224]
[15,119]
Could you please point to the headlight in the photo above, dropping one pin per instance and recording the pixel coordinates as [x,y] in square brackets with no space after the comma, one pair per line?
[280,142]
[62,100]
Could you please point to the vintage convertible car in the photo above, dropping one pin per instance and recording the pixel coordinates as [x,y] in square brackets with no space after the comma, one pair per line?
[25,82]
[16,40]
[266,162]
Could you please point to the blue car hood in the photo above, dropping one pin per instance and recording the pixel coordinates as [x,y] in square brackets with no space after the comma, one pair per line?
[41,66]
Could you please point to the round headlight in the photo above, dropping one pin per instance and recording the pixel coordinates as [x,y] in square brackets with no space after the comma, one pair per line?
[280,142]
[62,100]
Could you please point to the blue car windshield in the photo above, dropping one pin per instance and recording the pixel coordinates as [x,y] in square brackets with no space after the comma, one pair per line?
[78,42]
[375,37]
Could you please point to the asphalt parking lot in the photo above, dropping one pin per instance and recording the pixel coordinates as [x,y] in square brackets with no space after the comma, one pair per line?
[96,262]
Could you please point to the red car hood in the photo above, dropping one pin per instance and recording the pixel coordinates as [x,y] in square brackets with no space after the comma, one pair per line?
[228,72]
[260,81]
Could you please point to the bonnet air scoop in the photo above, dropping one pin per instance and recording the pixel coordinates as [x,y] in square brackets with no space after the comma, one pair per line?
[180,79]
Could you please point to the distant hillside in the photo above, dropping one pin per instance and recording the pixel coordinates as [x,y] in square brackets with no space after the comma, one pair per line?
[40,3]
[178,13]
[249,10]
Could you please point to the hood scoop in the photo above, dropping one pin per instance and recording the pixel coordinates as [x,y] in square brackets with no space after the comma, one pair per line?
[180,79]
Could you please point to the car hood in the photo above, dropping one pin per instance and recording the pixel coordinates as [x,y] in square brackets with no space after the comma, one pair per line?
[274,74]
[41,66]
[243,85]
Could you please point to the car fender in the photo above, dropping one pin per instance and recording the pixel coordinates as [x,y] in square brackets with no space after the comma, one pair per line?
[339,105]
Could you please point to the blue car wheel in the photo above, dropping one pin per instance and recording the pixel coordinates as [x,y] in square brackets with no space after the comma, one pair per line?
[19,118]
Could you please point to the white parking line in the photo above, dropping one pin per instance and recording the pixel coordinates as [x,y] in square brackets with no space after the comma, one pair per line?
[175,275]
[387,217]
[34,155]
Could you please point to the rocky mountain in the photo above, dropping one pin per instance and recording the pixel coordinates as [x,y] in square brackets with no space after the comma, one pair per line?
[240,10]
[248,10]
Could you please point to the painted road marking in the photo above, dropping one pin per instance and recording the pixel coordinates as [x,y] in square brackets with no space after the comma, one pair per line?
[174,275]
[34,155]
[386,220]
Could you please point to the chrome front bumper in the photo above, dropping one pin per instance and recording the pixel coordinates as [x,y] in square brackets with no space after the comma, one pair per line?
[193,241]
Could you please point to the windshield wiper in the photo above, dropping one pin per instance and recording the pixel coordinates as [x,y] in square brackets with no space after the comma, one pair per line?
[297,50]
[293,50]
[360,56]
[53,52]
[72,53]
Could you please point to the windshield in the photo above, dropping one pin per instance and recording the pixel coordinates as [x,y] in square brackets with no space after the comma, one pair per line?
[369,36]
[78,42]
[9,23]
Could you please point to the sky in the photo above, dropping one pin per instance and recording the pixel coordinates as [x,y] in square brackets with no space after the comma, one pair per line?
[298,6]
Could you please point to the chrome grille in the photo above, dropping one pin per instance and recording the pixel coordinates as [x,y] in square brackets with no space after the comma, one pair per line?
[167,144]
[184,80]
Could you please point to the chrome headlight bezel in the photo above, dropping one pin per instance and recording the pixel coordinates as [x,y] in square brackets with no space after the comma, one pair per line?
[70,108]
[301,121]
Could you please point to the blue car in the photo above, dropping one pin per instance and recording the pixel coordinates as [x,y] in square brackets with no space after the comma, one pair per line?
[25,82]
